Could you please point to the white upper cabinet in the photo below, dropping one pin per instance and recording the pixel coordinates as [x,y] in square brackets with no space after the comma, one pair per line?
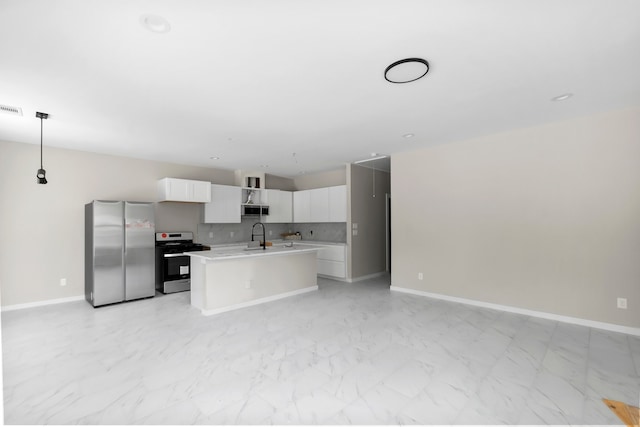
[338,203]
[302,206]
[183,190]
[328,204]
[319,204]
[224,206]
[280,206]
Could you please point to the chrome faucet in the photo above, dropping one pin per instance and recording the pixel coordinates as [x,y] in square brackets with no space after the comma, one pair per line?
[264,237]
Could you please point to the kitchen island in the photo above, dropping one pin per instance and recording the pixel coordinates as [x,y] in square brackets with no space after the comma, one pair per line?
[233,277]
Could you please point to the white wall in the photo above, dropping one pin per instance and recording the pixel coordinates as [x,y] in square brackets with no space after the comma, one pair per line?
[544,218]
[42,226]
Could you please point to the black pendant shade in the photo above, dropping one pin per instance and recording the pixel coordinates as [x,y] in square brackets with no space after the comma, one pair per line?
[42,174]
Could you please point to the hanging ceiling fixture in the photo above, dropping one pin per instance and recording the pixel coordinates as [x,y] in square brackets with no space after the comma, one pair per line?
[42,179]
[406,70]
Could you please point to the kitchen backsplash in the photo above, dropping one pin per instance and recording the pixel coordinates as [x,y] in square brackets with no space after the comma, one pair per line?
[324,231]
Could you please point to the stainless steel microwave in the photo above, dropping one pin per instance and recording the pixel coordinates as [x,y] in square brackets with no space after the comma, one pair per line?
[255,210]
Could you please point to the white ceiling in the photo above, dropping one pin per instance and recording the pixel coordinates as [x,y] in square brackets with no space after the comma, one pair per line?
[253,82]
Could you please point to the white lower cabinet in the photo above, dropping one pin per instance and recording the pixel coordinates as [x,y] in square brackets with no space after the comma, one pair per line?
[331,268]
[332,260]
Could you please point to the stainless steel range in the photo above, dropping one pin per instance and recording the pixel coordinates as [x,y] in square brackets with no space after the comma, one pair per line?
[173,268]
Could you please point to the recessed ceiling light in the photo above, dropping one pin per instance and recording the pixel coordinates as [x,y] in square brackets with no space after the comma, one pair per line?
[562,97]
[155,23]
[214,158]
[406,70]
[408,135]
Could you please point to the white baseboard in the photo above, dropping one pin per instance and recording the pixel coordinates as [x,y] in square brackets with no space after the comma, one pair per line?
[258,301]
[550,316]
[42,303]
[337,279]
[367,277]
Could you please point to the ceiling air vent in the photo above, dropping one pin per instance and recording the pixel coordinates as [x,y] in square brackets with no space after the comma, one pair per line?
[14,111]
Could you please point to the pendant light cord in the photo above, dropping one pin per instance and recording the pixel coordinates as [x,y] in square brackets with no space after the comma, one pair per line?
[374,181]
[41,143]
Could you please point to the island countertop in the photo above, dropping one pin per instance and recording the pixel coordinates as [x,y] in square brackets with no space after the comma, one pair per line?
[231,252]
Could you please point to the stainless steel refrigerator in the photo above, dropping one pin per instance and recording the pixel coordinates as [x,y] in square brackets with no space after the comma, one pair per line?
[119,251]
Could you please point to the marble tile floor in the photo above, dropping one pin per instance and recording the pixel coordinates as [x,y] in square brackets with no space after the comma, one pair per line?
[346,354]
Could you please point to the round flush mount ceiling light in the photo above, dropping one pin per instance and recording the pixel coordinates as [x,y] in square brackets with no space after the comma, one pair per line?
[562,97]
[406,70]
[408,135]
[155,23]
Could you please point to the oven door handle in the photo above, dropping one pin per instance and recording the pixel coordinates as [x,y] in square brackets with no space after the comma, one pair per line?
[173,255]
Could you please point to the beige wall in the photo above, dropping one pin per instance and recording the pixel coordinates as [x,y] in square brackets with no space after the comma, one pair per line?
[544,218]
[322,179]
[279,183]
[367,250]
[42,226]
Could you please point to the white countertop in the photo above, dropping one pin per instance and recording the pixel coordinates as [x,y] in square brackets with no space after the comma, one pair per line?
[241,251]
[276,242]
[317,242]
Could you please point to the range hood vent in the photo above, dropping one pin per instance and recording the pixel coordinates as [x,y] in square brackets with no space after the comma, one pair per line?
[14,111]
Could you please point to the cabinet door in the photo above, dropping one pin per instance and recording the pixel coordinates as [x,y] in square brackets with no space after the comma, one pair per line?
[200,191]
[331,268]
[338,204]
[183,190]
[272,198]
[280,206]
[302,206]
[177,190]
[332,253]
[286,206]
[319,205]
[224,206]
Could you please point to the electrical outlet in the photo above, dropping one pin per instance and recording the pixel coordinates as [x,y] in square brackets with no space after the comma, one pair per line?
[355,232]
[420,276]
[211,234]
[622,303]
[63,282]
[270,232]
[231,233]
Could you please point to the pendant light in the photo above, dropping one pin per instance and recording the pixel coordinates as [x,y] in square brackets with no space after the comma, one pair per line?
[41,175]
